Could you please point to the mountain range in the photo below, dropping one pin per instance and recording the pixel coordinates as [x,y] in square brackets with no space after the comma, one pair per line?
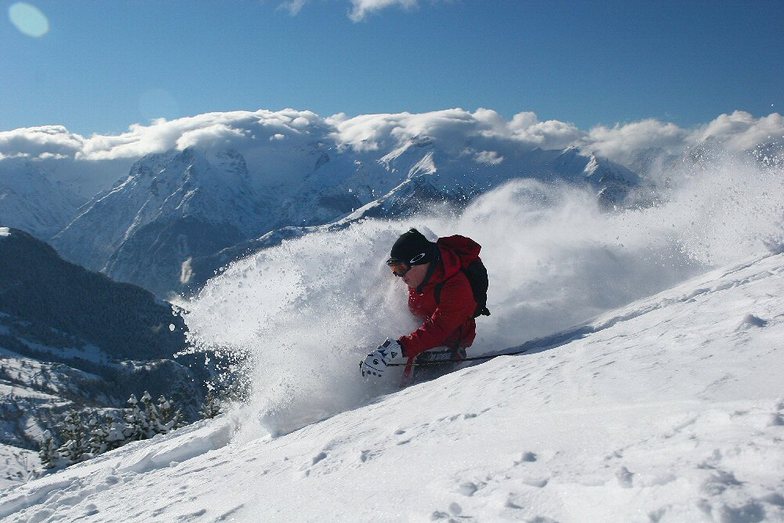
[170,224]
[30,200]
[71,337]
[165,206]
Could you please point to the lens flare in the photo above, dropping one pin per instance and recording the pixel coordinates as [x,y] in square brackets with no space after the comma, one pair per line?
[30,20]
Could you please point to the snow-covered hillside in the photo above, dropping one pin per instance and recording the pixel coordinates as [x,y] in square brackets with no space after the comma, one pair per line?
[651,389]
[670,410]
[73,339]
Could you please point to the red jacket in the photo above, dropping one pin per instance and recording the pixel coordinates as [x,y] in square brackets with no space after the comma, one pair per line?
[449,322]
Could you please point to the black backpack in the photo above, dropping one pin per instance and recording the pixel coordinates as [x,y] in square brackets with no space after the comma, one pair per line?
[477,277]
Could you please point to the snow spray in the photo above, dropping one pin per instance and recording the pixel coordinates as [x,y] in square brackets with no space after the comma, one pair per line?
[305,312]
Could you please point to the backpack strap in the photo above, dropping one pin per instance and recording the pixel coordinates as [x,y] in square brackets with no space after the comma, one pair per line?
[437,292]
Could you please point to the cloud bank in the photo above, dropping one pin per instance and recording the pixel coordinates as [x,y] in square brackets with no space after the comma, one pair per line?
[450,129]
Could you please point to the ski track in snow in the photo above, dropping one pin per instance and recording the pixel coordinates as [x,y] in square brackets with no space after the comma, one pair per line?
[668,409]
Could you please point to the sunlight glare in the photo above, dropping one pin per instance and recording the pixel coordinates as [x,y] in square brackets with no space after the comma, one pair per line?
[30,20]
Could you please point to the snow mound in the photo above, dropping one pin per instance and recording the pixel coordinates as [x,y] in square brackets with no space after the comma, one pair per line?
[78,483]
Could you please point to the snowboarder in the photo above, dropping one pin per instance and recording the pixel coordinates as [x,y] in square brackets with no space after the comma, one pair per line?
[440,294]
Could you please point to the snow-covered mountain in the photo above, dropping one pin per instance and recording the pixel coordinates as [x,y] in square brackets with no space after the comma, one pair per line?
[204,188]
[70,338]
[31,201]
[170,207]
[667,409]
[175,219]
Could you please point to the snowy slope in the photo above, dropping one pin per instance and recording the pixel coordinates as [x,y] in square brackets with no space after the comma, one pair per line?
[18,465]
[671,410]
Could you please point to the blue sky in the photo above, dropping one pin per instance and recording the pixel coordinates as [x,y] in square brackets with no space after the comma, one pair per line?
[100,66]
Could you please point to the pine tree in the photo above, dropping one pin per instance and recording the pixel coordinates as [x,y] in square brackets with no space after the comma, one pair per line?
[136,423]
[50,457]
[155,424]
[115,437]
[97,436]
[73,434]
[142,419]
[171,418]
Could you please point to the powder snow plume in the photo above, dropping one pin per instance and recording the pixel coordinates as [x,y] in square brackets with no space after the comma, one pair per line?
[308,310]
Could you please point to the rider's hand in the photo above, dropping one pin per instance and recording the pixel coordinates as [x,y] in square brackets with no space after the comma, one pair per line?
[377,361]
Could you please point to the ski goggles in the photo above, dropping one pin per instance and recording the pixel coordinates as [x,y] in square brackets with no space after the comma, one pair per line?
[398,267]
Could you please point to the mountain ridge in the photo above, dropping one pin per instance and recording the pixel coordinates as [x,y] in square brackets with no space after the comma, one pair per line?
[188,205]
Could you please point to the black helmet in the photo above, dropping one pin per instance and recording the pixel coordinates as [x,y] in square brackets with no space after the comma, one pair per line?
[412,248]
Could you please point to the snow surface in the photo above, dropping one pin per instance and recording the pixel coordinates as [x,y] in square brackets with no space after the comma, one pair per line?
[651,390]
[18,465]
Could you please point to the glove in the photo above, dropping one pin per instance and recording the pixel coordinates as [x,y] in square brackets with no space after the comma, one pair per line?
[377,361]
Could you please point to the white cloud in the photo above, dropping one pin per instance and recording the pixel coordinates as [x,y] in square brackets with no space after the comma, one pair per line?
[488,158]
[387,131]
[622,143]
[215,135]
[235,129]
[550,134]
[489,136]
[736,132]
[293,6]
[36,142]
[741,131]
[362,8]
[371,132]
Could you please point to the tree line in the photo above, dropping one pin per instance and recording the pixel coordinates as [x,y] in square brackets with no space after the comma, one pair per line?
[80,436]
